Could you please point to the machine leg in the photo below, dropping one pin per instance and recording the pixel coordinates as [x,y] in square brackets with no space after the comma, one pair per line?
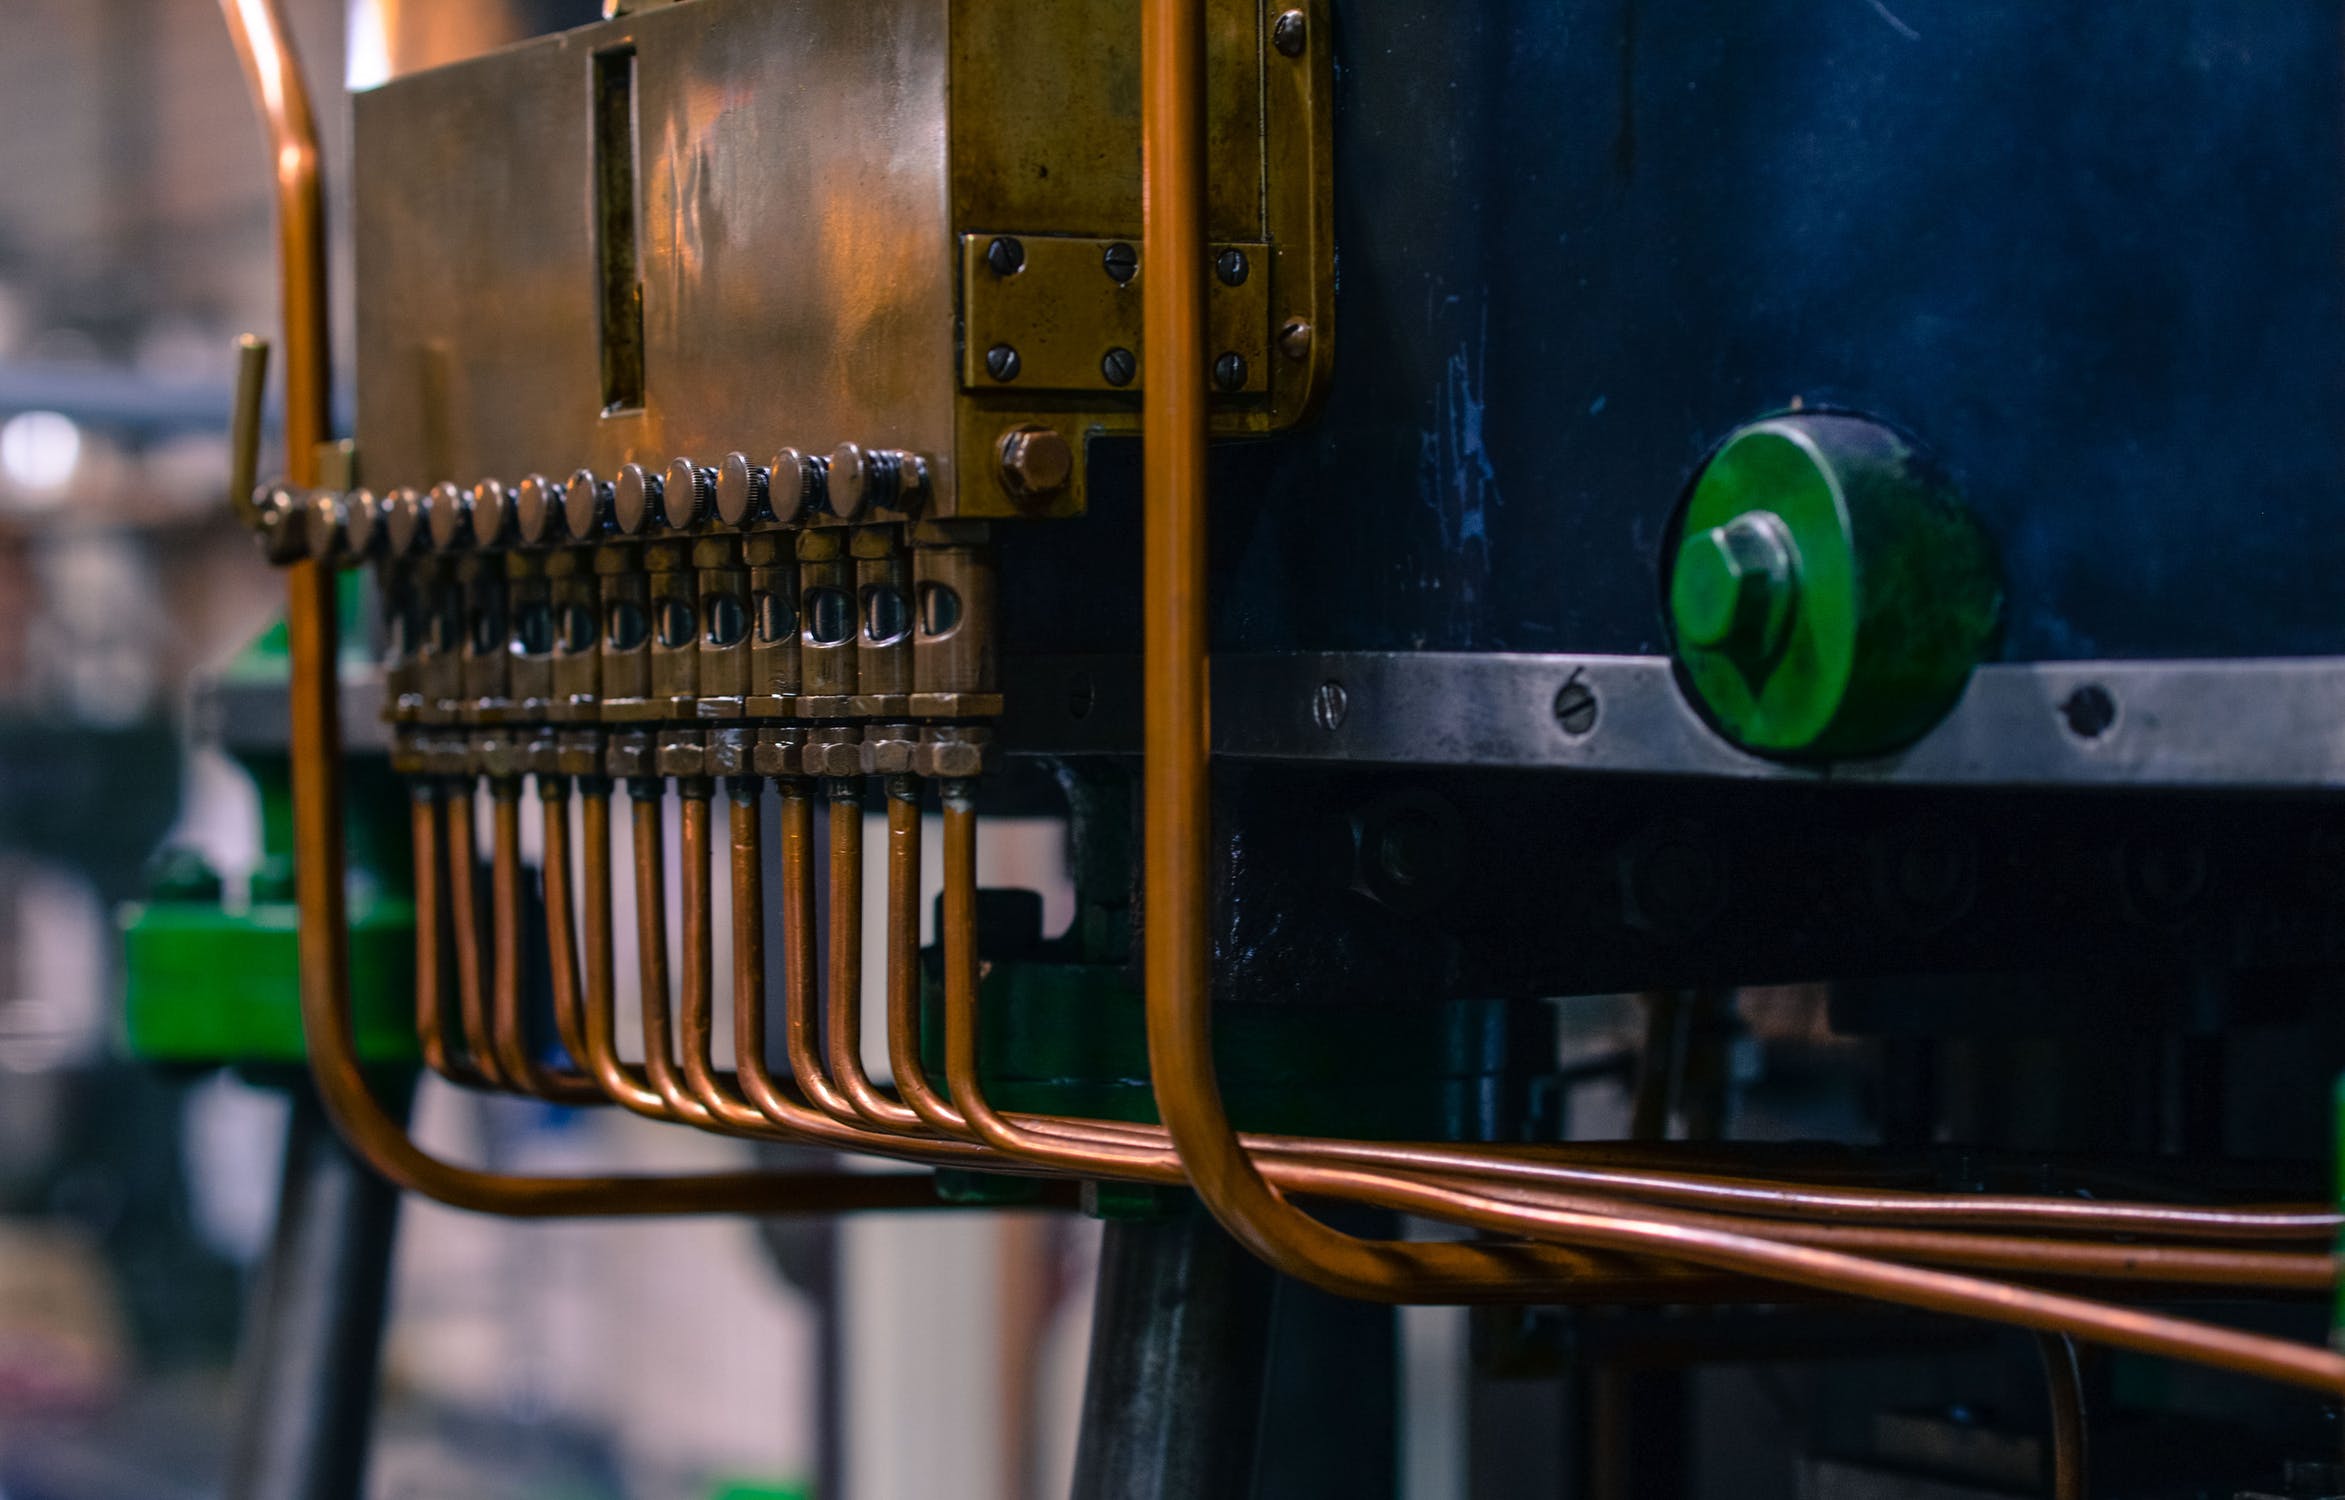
[1172,1406]
[306,1377]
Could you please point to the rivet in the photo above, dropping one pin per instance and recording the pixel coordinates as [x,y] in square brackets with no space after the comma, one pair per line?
[1289,32]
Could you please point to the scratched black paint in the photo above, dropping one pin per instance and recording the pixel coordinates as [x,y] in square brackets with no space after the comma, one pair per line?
[2091,253]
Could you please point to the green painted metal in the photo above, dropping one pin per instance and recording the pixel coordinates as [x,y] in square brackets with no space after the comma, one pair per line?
[206,983]
[1830,592]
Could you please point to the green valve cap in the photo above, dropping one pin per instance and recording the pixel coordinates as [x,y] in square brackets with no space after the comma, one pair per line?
[1830,592]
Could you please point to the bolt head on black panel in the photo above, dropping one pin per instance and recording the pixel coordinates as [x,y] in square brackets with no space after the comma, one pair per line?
[447,511]
[744,492]
[537,510]
[635,499]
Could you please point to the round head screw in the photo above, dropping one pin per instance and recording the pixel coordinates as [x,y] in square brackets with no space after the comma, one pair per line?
[798,484]
[586,505]
[688,495]
[362,523]
[744,493]
[635,499]
[492,514]
[403,528]
[325,535]
[447,513]
[537,511]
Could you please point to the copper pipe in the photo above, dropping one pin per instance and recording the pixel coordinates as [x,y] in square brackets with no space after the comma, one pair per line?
[599,1016]
[561,928]
[464,915]
[509,1038]
[2064,1380]
[649,845]
[264,45]
[765,1098]
[1835,1271]
[800,1040]
[843,1015]
[424,825]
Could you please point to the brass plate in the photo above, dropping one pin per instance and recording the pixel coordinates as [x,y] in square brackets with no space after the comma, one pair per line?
[1062,312]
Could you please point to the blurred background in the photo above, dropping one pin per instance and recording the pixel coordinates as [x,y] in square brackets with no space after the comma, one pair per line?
[699,1360]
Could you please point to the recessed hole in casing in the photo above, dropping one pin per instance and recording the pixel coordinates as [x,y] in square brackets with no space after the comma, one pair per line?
[625,626]
[533,630]
[886,617]
[773,616]
[728,619]
[677,624]
[830,617]
[577,635]
[940,609]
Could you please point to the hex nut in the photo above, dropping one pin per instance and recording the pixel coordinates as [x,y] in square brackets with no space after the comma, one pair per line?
[629,753]
[682,752]
[1036,461]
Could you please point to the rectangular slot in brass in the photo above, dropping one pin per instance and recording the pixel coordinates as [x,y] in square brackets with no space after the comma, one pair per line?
[617,260]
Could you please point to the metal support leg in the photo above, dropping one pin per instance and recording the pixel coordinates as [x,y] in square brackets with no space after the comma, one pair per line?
[306,1373]
[1172,1406]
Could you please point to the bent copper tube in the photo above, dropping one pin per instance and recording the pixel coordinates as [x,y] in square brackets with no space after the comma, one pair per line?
[843,1016]
[2064,1383]
[649,844]
[508,1034]
[766,1099]
[561,927]
[800,1029]
[430,1024]
[464,917]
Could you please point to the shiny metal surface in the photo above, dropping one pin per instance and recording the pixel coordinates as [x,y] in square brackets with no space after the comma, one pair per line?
[796,281]
[2247,724]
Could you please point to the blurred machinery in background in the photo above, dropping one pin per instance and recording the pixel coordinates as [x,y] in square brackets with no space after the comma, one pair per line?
[1459,508]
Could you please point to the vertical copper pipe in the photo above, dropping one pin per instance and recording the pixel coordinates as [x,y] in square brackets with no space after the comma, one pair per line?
[561,923]
[799,1025]
[424,824]
[599,1021]
[903,998]
[464,917]
[2064,1378]
[508,1040]
[843,1015]
[649,833]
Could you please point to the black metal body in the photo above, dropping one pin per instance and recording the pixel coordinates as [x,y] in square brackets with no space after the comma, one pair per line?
[2089,254]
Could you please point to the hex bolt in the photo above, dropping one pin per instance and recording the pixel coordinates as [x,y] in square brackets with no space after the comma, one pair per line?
[1575,708]
[1229,371]
[1122,262]
[1005,256]
[1001,361]
[1117,366]
[1294,339]
[1289,32]
[1734,587]
[1036,461]
[1231,266]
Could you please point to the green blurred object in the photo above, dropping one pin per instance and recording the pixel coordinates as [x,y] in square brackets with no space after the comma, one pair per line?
[207,984]
[1830,592]
[754,1489]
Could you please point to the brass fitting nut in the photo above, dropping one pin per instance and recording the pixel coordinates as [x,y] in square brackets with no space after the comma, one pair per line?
[497,754]
[952,751]
[682,752]
[732,752]
[579,752]
[833,752]
[629,754]
[890,749]
[777,752]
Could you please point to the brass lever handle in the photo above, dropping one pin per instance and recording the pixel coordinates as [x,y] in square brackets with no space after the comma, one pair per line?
[244,427]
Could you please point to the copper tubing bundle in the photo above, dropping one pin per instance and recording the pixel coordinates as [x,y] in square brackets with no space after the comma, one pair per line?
[1556,1226]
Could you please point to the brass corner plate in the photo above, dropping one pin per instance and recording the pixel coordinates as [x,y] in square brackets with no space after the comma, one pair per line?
[1049,157]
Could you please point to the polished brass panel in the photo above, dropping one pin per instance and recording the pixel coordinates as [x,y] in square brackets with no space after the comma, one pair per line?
[1062,312]
[797,285]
